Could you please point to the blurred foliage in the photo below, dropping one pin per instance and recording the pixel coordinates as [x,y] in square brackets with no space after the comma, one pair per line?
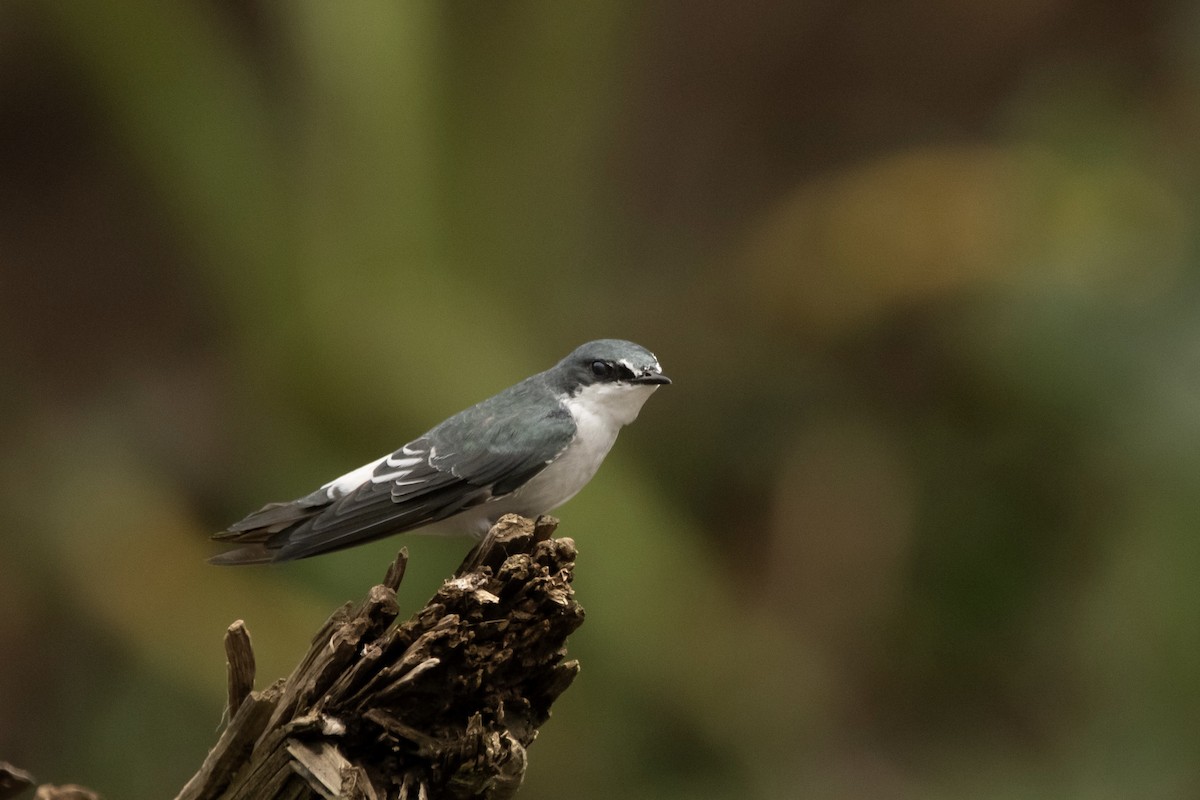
[926,276]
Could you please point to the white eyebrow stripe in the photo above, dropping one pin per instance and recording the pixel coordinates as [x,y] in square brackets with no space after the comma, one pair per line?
[656,367]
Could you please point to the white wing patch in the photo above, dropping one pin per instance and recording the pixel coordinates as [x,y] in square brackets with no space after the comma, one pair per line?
[415,457]
[403,467]
[403,483]
[340,487]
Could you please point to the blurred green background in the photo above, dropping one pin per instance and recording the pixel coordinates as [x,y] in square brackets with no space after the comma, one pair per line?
[918,518]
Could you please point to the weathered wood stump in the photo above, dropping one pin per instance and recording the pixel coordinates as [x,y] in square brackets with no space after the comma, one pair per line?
[441,706]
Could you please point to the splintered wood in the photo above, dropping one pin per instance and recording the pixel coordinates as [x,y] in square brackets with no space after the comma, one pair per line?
[441,706]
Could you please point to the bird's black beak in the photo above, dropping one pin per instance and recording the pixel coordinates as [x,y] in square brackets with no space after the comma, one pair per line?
[651,377]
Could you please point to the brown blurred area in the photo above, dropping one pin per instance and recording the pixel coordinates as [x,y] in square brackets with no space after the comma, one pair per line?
[925,276]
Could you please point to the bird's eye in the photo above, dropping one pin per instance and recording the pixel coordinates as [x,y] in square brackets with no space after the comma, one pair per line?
[602,369]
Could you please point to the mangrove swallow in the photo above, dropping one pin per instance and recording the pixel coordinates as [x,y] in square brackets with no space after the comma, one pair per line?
[526,450]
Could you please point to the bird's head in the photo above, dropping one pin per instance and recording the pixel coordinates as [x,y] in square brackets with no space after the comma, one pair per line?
[613,376]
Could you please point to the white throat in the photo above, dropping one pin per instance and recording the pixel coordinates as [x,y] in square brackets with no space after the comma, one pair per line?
[608,405]
[599,411]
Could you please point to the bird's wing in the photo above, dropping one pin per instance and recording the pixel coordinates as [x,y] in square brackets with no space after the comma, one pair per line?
[487,451]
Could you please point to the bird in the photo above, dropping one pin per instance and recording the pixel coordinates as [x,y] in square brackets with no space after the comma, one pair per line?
[526,450]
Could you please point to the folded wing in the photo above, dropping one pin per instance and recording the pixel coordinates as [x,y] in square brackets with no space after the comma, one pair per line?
[485,452]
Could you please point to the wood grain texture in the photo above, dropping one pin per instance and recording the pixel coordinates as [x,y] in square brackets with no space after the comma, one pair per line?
[444,705]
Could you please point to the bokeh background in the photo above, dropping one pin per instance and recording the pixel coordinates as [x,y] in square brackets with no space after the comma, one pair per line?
[918,518]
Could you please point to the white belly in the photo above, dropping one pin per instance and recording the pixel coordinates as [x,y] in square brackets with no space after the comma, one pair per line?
[599,413]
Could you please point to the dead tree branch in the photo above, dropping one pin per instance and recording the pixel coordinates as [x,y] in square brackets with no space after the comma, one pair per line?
[443,705]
